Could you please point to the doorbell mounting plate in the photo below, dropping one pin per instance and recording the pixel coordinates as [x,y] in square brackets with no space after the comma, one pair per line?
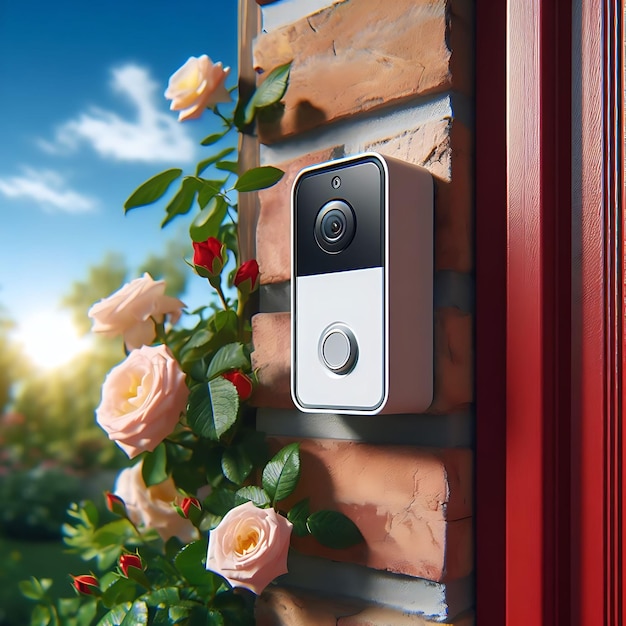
[362,287]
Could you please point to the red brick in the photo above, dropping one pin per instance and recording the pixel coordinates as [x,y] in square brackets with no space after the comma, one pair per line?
[443,147]
[412,505]
[271,336]
[357,56]
[273,245]
[454,350]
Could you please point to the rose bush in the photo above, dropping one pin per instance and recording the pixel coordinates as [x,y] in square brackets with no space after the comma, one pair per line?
[203,469]
[151,507]
[249,547]
[196,85]
[133,310]
[142,399]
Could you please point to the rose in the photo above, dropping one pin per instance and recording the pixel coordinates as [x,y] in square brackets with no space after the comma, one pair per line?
[242,383]
[247,277]
[210,256]
[199,83]
[249,547]
[115,504]
[85,584]
[151,507]
[187,504]
[142,399]
[130,560]
[133,310]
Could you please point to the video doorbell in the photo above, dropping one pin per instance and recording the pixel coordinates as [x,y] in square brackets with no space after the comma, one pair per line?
[362,287]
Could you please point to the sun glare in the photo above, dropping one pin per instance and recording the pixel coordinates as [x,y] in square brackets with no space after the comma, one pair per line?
[49,339]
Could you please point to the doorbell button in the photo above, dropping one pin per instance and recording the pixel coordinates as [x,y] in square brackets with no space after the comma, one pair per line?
[338,349]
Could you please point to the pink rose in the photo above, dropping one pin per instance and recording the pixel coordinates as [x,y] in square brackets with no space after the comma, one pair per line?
[132,310]
[199,83]
[142,399]
[249,547]
[151,507]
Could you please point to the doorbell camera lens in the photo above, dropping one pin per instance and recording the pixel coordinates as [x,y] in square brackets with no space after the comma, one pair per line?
[336,182]
[335,226]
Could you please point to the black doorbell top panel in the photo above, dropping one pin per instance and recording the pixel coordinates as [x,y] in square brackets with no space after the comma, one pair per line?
[340,220]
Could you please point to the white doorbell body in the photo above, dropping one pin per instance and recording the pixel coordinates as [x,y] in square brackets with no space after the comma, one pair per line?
[362,287]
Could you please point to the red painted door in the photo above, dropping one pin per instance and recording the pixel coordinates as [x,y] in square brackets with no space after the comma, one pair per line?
[550,312]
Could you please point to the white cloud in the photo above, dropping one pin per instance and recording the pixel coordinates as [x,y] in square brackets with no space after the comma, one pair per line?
[48,189]
[152,136]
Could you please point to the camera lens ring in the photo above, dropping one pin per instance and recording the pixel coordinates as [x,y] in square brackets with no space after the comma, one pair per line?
[335,226]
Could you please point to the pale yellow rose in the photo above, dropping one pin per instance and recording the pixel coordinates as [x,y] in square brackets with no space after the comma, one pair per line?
[249,547]
[132,311]
[142,399]
[199,83]
[151,507]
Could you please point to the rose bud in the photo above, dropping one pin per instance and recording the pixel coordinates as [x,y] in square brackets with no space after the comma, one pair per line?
[86,584]
[130,560]
[115,504]
[247,277]
[242,383]
[209,257]
[187,503]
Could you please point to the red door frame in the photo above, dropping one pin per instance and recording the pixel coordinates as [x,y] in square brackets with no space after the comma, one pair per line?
[549,312]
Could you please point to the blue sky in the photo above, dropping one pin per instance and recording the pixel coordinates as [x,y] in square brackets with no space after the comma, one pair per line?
[84,122]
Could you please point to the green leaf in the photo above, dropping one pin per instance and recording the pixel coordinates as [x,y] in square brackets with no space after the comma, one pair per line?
[152,189]
[166,596]
[202,165]
[219,502]
[228,166]
[229,357]
[282,473]
[298,517]
[270,91]
[120,591]
[153,468]
[212,409]
[253,494]
[259,178]
[137,616]
[334,529]
[203,616]
[190,562]
[115,616]
[87,613]
[207,190]
[40,616]
[214,138]
[236,465]
[181,203]
[207,223]
[32,589]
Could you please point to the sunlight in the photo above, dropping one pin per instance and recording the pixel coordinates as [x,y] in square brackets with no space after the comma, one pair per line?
[49,339]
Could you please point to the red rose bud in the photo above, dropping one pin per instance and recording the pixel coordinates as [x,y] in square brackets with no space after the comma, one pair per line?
[187,503]
[130,560]
[247,277]
[86,584]
[209,257]
[242,383]
[115,504]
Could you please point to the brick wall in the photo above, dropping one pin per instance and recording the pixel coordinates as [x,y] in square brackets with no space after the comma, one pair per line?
[394,77]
